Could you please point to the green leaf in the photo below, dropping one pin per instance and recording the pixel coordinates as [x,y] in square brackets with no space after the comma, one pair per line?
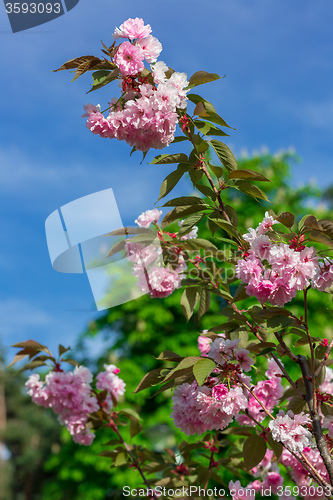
[254,450]
[224,154]
[201,77]
[320,352]
[240,293]
[229,228]
[206,191]
[251,190]
[102,78]
[130,413]
[184,364]
[179,138]
[217,171]
[204,302]
[166,158]
[121,459]
[207,128]
[209,111]
[169,183]
[185,201]
[188,223]
[201,243]
[189,300]
[202,369]
[135,428]
[181,213]
[246,173]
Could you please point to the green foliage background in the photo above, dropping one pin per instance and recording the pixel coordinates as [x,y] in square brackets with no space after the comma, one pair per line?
[135,334]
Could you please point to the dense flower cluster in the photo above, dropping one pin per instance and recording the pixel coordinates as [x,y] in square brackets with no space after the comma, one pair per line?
[268,392]
[288,428]
[300,475]
[146,114]
[201,409]
[70,395]
[267,475]
[274,272]
[148,267]
[223,351]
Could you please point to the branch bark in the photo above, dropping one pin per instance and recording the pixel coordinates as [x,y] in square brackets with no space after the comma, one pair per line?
[315,417]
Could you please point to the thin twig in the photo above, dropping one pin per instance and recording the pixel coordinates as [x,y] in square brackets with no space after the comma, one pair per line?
[135,462]
[315,417]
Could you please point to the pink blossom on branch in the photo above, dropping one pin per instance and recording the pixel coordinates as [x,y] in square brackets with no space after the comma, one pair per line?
[149,217]
[129,59]
[132,28]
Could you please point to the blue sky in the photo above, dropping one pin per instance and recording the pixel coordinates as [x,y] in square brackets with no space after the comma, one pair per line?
[278,60]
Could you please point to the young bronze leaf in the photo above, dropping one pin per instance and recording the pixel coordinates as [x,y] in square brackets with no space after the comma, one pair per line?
[297,404]
[116,248]
[169,356]
[286,218]
[151,378]
[320,237]
[78,61]
[201,77]
[275,445]
[17,358]
[327,226]
[254,450]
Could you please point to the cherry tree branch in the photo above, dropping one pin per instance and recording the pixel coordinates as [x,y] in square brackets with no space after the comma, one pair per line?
[315,417]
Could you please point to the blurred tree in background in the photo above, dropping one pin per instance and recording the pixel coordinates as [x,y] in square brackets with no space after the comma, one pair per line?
[135,334]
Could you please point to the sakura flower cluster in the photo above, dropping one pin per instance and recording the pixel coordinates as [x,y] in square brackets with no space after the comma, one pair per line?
[267,391]
[288,429]
[267,475]
[201,409]
[145,116]
[70,395]
[301,476]
[274,272]
[148,267]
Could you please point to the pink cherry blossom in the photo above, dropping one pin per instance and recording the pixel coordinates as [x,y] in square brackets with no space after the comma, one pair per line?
[288,429]
[132,28]
[151,48]
[158,72]
[239,493]
[149,217]
[129,59]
